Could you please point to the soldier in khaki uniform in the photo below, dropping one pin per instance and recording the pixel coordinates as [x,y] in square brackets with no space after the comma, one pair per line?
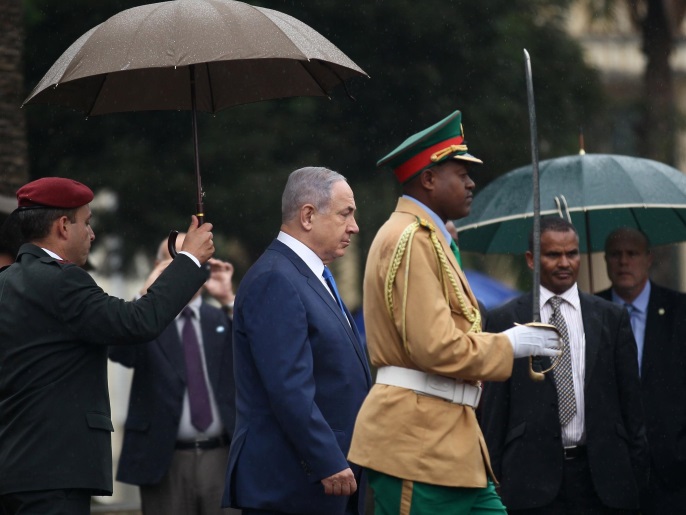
[417,432]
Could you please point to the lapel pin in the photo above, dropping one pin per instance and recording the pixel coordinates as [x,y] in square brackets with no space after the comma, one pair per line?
[221,329]
[661,311]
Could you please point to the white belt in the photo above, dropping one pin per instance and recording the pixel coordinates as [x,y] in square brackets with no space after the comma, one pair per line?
[453,390]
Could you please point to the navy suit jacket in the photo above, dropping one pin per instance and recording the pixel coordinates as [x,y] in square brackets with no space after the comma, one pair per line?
[663,382]
[156,400]
[301,376]
[521,424]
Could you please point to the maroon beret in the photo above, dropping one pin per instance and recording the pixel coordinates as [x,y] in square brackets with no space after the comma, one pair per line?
[54,192]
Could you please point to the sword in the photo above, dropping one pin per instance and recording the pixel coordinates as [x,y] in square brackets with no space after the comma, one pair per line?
[533,130]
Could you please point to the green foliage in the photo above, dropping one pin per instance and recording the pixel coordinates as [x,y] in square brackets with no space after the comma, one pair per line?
[424,59]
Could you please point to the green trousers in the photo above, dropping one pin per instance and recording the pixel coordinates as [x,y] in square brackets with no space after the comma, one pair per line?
[395,496]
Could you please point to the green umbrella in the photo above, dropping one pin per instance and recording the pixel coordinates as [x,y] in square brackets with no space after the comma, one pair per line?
[601,192]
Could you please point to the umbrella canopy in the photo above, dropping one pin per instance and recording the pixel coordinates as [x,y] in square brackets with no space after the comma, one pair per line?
[601,192]
[140,59]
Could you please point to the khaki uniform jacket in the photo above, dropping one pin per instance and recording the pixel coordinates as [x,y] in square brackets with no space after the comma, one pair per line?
[399,432]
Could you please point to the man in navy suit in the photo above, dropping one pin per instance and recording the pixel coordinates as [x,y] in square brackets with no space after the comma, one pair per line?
[178,466]
[658,320]
[301,373]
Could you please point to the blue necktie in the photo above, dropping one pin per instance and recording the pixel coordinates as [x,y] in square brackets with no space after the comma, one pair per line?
[332,286]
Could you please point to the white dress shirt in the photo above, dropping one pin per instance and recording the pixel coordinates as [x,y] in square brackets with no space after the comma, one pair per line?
[187,431]
[305,253]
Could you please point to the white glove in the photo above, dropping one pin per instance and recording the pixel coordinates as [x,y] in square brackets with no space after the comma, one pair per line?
[533,341]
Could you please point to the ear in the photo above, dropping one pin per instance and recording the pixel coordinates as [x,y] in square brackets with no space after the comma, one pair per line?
[427,178]
[306,214]
[60,227]
[529,259]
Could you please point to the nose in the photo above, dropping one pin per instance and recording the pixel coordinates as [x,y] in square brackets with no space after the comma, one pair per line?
[470,184]
[92,233]
[352,227]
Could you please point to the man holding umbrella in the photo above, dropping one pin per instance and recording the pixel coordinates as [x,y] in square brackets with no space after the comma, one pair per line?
[55,328]
[417,431]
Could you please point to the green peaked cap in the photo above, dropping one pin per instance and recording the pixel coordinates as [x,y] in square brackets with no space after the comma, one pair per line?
[438,143]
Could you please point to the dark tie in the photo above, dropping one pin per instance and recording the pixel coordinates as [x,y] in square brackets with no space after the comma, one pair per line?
[198,396]
[456,252]
[328,277]
[563,372]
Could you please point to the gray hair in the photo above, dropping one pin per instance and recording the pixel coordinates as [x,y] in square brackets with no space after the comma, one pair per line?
[309,185]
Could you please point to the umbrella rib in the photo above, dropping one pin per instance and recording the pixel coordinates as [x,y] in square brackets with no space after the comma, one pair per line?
[345,86]
[95,97]
[326,94]
[209,85]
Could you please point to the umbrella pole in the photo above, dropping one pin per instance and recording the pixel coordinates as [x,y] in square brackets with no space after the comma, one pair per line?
[194,113]
[533,129]
[588,253]
[200,208]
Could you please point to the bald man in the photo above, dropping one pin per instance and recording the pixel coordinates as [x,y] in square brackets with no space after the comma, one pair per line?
[177,457]
[658,320]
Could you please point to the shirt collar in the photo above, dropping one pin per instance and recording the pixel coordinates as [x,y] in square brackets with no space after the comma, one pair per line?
[304,252]
[194,306]
[571,296]
[51,254]
[440,225]
[640,303]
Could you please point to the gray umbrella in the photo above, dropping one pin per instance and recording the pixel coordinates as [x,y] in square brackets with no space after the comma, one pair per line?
[204,55]
[142,59]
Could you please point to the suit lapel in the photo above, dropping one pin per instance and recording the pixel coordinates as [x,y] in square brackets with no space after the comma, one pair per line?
[213,336]
[172,348]
[592,331]
[328,299]
[658,313]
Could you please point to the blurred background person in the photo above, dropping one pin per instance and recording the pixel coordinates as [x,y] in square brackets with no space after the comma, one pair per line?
[182,404]
[658,320]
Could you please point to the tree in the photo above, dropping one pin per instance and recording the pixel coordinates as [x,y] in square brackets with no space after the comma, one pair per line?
[13,145]
[659,23]
[425,59]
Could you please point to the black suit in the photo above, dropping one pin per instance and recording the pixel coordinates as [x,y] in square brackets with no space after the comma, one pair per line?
[157,392]
[55,326]
[663,386]
[521,423]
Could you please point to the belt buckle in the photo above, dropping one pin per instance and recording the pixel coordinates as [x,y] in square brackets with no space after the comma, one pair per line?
[570,452]
[439,386]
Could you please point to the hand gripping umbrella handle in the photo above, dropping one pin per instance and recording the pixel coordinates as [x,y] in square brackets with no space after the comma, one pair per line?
[173,234]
